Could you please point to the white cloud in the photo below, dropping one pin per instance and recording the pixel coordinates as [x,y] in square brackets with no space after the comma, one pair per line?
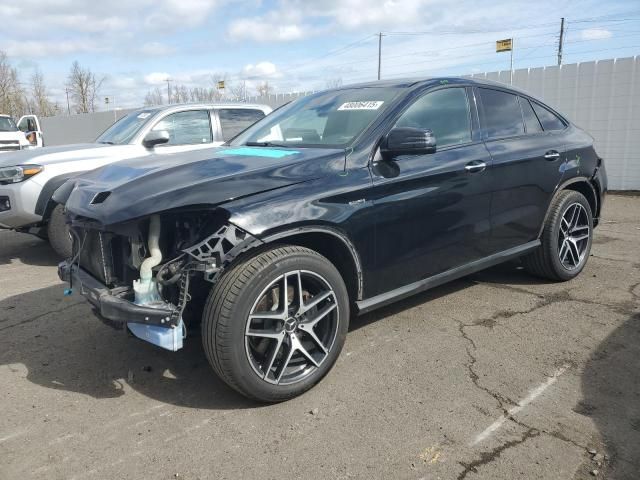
[262,70]
[595,34]
[156,78]
[264,30]
[156,49]
[35,48]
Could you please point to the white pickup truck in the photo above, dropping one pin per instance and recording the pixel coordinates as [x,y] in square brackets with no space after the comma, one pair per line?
[29,178]
[23,135]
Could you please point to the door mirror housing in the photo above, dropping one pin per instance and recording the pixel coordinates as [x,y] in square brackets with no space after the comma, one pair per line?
[155,137]
[408,140]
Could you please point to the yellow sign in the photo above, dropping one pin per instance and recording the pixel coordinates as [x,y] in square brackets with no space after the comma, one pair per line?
[221,85]
[503,45]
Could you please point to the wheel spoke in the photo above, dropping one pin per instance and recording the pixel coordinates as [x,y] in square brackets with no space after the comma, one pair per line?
[274,355]
[565,249]
[564,225]
[575,255]
[297,346]
[263,333]
[308,329]
[268,316]
[580,228]
[285,363]
[316,300]
[580,238]
[311,322]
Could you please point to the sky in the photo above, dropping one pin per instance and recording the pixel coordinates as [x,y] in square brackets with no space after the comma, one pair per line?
[299,45]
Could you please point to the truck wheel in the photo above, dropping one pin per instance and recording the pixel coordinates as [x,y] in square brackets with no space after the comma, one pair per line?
[275,323]
[566,239]
[58,233]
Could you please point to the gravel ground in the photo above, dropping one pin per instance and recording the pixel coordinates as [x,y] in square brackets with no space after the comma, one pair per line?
[497,375]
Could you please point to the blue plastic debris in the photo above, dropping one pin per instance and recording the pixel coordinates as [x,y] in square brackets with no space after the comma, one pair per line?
[68,291]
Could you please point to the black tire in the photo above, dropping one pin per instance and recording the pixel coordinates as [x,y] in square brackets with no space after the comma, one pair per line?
[545,261]
[233,298]
[58,233]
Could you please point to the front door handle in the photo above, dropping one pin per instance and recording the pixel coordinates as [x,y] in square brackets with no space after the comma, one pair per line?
[552,155]
[476,166]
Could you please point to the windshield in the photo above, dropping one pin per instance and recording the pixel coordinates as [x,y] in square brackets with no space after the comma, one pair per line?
[123,131]
[326,119]
[7,124]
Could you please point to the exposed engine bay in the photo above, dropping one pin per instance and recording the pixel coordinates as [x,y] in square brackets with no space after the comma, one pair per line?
[143,274]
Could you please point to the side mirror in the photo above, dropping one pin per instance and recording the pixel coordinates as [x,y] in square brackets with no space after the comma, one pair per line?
[408,140]
[155,137]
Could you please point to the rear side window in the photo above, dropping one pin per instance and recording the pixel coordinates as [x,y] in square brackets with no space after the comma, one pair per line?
[192,127]
[531,122]
[549,120]
[235,120]
[502,115]
[445,112]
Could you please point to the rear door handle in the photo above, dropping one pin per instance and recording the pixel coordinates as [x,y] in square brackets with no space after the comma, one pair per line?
[552,155]
[476,166]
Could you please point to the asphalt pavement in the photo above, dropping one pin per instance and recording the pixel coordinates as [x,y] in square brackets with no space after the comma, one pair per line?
[499,375]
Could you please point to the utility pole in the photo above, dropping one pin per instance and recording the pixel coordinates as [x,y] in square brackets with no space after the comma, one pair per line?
[379,53]
[511,67]
[68,107]
[561,41]
[169,90]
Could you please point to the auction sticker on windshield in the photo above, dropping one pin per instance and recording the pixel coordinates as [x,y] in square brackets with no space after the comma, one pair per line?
[364,105]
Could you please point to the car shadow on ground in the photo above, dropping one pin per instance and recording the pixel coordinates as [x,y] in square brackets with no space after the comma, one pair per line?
[28,249]
[64,347]
[611,397]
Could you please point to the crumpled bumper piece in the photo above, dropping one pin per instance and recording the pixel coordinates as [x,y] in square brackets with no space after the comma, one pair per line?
[110,304]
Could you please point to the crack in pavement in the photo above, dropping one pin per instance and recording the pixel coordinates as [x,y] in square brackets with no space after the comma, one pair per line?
[475,378]
[41,315]
[555,433]
[491,455]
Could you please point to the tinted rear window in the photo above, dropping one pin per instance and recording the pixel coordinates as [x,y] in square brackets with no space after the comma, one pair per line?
[549,120]
[235,120]
[530,119]
[501,113]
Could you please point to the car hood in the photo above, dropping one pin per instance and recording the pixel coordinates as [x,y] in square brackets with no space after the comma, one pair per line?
[61,153]
[143,186]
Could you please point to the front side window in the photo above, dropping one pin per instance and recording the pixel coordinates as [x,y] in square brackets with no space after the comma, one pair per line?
[124,130]
[445,112]
[549,120]
[235,120]
[502,116]
[331,119]
[192,127]
[7,125]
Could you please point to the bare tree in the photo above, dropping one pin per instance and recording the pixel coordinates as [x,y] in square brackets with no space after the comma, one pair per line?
[154,97]
[333,82]
[12,95]
[83,88]
[239,91]
[264,89]
[180,94]
[40,102]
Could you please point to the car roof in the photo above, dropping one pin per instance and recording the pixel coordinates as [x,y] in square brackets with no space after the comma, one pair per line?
[426,81]
[179,106]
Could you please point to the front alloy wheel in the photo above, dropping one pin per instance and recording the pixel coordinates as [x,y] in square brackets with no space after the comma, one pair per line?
[292,327]
[275,323]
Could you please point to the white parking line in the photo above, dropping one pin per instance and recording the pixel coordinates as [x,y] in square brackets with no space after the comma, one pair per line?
[533,394]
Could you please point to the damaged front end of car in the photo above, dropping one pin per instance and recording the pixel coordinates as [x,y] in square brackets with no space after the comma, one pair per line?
[144,274]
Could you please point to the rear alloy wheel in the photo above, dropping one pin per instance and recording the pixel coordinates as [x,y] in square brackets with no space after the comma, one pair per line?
[566,239]
[275,323]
